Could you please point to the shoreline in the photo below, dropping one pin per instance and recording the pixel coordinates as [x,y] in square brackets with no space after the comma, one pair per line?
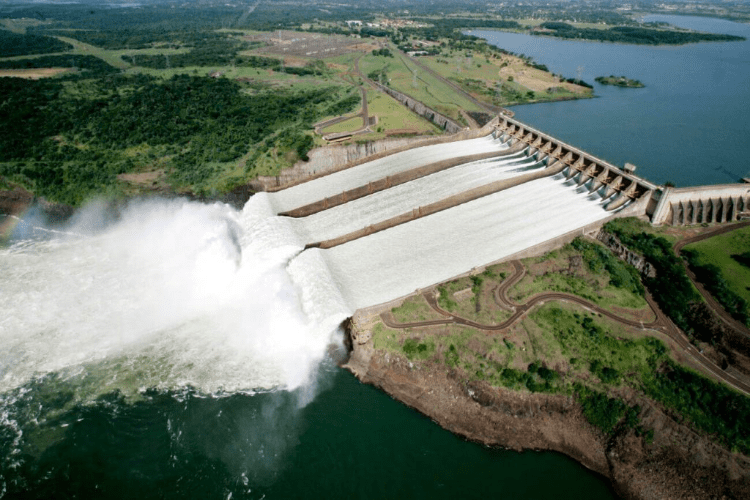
[592,40]
[679,463]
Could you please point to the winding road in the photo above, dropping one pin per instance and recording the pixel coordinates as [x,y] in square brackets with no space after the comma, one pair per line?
[661,324]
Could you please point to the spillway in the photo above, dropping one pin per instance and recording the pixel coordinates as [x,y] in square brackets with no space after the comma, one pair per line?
[360,175]
[402,198]
[396,262]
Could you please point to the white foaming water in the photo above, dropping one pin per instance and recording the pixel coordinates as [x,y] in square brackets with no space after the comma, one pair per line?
[174,294]
[403,198]
[182,294]
[395,262]
[330,185]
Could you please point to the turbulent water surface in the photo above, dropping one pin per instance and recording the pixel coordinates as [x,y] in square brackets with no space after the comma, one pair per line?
[180,349]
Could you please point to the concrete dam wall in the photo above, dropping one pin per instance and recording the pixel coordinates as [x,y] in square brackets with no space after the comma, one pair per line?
[703,204]
[383,228]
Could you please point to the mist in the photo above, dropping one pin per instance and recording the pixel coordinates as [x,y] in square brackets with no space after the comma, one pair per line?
[167,294]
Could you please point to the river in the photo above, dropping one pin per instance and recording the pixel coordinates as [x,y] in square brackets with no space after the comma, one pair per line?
[174,353]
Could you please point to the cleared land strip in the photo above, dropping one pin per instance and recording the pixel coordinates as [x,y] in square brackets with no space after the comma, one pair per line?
[482,105]
[394,180]
[661,323]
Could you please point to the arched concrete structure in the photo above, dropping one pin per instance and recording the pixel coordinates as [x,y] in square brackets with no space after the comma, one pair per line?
[582,166]
[703,205]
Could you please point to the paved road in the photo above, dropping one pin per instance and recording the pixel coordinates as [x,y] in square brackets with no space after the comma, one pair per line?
[364,113]
[661,322]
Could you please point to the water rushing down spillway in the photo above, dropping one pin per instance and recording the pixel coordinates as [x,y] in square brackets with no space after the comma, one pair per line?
[360,175]
[202,301]
[395,262]
[175,294]
[405,197]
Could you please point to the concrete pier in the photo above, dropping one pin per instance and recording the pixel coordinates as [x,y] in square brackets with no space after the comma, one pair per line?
[703,205]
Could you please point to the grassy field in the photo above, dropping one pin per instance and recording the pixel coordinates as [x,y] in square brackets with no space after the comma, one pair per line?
[393,116]
[720,250]
[501,80]
[424,87]
[461,296]
[414,309]
[349,125]
[565,271]
[34,74]
[578,346]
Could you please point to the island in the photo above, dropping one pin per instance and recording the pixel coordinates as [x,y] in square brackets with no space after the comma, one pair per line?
[619,81]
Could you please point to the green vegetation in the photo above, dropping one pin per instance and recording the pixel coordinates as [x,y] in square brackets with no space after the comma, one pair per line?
[413,349]
[574,352]
[709,406]
[393,116]
[586,269]
[635,35]
[414,309]
[69,140]
[598,259]
[604,412]
[619,81]
[720,263]
[471,298]
[405,76]
[671,287]
[15,44]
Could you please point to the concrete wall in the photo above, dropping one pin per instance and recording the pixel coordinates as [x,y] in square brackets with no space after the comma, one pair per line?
[417,107]
[637,261]
[623,186]
[703,204]
[336,157]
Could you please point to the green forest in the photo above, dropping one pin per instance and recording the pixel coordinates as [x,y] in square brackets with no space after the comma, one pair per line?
[68,139]
[635,35]
[15,44]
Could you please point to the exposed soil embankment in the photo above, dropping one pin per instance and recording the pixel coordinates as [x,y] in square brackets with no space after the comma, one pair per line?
[678,464]
[15,201]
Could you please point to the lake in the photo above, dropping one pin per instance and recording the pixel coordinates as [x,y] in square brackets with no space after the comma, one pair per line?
[689,125]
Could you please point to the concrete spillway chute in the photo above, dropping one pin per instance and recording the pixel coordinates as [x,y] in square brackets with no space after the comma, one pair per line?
[614,186]
[578,165]
[569,171]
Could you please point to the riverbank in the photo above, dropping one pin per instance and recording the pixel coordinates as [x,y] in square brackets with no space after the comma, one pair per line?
[677,463]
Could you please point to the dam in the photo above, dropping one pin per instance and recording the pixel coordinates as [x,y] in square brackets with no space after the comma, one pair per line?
[381,230]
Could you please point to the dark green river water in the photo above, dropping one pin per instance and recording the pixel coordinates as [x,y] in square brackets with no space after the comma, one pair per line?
[351,441]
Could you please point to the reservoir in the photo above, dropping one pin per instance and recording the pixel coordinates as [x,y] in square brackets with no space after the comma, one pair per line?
[687,126]
[180,351]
